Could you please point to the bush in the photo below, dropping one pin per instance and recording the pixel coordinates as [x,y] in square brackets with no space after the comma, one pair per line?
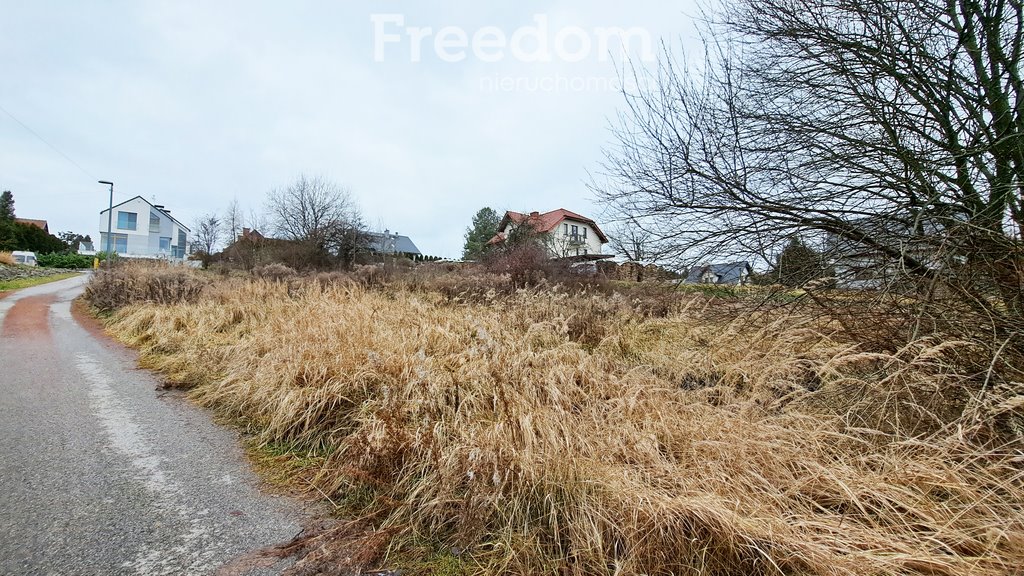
[136,282]
[274,272]
[65,260]
[7,258]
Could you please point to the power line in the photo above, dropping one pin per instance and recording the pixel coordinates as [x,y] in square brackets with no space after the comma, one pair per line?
[43,140]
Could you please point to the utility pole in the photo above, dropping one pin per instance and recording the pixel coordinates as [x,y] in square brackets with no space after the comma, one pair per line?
[110,216]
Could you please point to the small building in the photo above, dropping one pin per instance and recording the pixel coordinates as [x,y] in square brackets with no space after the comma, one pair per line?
[726,274]
[564,233]
[140,229]
[37,223]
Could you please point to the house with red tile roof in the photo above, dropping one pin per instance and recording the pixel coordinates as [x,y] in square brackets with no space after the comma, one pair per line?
[565,233]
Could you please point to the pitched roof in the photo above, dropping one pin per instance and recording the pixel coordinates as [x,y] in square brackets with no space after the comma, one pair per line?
[727,272]
[37,223]
[389,243]
[163,211]
[547,221]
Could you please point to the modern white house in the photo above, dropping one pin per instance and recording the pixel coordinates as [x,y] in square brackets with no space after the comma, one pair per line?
[565,234]
[140,229]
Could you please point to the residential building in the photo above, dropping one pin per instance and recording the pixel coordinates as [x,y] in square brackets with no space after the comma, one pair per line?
[392,243]
[564,233]
[728,274]
[859,266]
[37,223]
[141,229]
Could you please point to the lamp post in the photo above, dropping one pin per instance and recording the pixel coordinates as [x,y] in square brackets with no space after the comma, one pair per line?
[110,216]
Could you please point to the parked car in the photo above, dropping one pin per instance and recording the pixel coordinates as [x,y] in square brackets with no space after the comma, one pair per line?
[23,257]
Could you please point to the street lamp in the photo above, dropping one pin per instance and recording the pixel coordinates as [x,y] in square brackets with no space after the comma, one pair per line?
[110,216]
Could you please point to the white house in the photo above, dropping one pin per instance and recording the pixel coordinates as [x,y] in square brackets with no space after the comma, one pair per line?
[565,233]
[729,273]
[140,229]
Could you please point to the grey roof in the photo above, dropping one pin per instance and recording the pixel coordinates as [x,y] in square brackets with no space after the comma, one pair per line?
[727,273]
[388,243]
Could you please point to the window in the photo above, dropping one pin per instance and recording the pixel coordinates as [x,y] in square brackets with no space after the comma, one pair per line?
[121,243]
[118,245]
[566,228]
[127,220]
[165,244]
[154,223]
[178,250]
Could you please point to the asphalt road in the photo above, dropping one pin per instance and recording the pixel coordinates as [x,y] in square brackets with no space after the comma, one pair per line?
[100,473]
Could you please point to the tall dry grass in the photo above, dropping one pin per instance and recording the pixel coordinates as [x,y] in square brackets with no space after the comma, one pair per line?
[120,284]
[545,432]
[6,258]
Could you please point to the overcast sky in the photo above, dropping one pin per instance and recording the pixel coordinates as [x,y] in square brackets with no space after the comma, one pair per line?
[195,103]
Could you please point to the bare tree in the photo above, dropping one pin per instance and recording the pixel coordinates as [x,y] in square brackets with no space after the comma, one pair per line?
[320,215]
[632,241]
[893,128]
[206,234]
[233,220]
[258,221]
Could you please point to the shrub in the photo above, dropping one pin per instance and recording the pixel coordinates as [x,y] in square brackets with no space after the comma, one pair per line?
[7,258]
[136,282]
[65,260]
[274,272]
[525,263]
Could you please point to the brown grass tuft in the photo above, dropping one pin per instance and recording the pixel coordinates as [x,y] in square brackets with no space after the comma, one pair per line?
[136,282]
[541,431]
[6,258]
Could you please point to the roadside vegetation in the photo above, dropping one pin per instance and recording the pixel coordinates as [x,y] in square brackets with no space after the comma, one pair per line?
[464,424]
[14,276]
[19,283]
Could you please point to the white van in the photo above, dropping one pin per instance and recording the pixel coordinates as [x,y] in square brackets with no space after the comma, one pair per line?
[26,258]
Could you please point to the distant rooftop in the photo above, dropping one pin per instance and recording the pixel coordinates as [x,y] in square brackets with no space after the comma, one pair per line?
[388,242]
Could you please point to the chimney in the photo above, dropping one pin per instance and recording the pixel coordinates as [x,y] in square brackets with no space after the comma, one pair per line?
[158,206]
[534,214]
[245,232]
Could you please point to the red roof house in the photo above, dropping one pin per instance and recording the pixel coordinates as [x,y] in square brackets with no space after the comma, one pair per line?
[566,233]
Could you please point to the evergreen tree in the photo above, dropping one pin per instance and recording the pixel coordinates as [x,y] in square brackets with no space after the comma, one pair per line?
[798,264]
[6,206]
[484,227]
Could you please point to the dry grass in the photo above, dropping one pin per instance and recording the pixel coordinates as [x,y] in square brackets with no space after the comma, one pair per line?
[544,432]
[134,282]
[6,258]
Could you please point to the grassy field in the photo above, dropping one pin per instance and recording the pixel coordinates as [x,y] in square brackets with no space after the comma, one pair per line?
[493,431]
